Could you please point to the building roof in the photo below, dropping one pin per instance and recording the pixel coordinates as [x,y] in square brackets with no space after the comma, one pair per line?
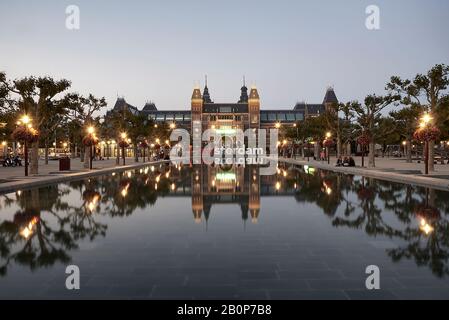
[254,94]
[311,108]
[197,93]
[149,106]
[206,95]
[243,94]
[330,96]
[121,105]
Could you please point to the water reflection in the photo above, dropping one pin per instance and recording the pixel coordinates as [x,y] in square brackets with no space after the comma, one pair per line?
[41,227]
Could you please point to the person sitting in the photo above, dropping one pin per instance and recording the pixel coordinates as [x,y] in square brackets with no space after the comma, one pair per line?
[346,162]
[351,162]
[339,162]
[17,161]
[322,156]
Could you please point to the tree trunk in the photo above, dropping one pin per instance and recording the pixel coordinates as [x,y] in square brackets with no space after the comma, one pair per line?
[136,156]
[46,152]
[34,159]
[431,155]
[117,156]
[371,155]
[75,151]
[408,150]
[316,151]
[348,149]
[302,152]
[86,157]
[338,146]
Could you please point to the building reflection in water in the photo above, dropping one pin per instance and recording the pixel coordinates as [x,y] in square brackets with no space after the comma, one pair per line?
[225,185]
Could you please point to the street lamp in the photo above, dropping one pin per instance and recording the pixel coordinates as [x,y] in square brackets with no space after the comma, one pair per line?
[91,132]
[65,148]
[277,125]
[123,136]
[425,121]
[328,137]
[295,125]
[27,124]
[172,125]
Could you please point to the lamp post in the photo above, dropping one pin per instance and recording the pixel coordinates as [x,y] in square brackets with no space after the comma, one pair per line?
[425,121]
[65,148]
[124,142]
[328,137]
[91,132]
[404,144]
[295,125]
[4,148]
[27,123]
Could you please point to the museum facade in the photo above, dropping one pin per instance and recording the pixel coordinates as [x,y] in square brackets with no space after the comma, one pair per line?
[225,118]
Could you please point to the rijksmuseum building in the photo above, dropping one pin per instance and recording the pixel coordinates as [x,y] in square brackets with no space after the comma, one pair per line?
[241,185]
[244,114]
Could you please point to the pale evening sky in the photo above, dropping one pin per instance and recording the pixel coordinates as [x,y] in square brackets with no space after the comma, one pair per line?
[157,50]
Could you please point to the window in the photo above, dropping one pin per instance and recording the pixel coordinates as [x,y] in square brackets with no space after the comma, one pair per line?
[263,117]
[179,117]
[160,117]
[291,117]
[225,110]
[299,116]
[151,117]
[281,117]
[169,117]
[272,117]
[187,117]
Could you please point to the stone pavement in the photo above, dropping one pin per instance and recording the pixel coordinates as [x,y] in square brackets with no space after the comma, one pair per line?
[13,178]
[391,169]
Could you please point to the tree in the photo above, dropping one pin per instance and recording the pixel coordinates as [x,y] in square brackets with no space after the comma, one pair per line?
[427,91]
[342,129]
[406,122]
[315,127]
[55,115]
[368,118]
[82,112]
[37,99]
[137,130]
[113,124]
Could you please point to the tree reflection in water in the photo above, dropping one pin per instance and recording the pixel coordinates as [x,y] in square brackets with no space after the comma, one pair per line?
[47,224]
[365,203]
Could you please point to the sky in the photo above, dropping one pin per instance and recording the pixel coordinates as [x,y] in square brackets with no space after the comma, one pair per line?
[158,50]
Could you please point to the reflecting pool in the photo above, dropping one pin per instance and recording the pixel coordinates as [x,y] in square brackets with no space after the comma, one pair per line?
[182,232]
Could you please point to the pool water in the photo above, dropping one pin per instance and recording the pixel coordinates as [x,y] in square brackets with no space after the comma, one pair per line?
[182,232]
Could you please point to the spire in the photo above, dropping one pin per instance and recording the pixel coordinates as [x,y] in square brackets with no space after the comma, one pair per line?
[330,96]
[243,93]
[206,95]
